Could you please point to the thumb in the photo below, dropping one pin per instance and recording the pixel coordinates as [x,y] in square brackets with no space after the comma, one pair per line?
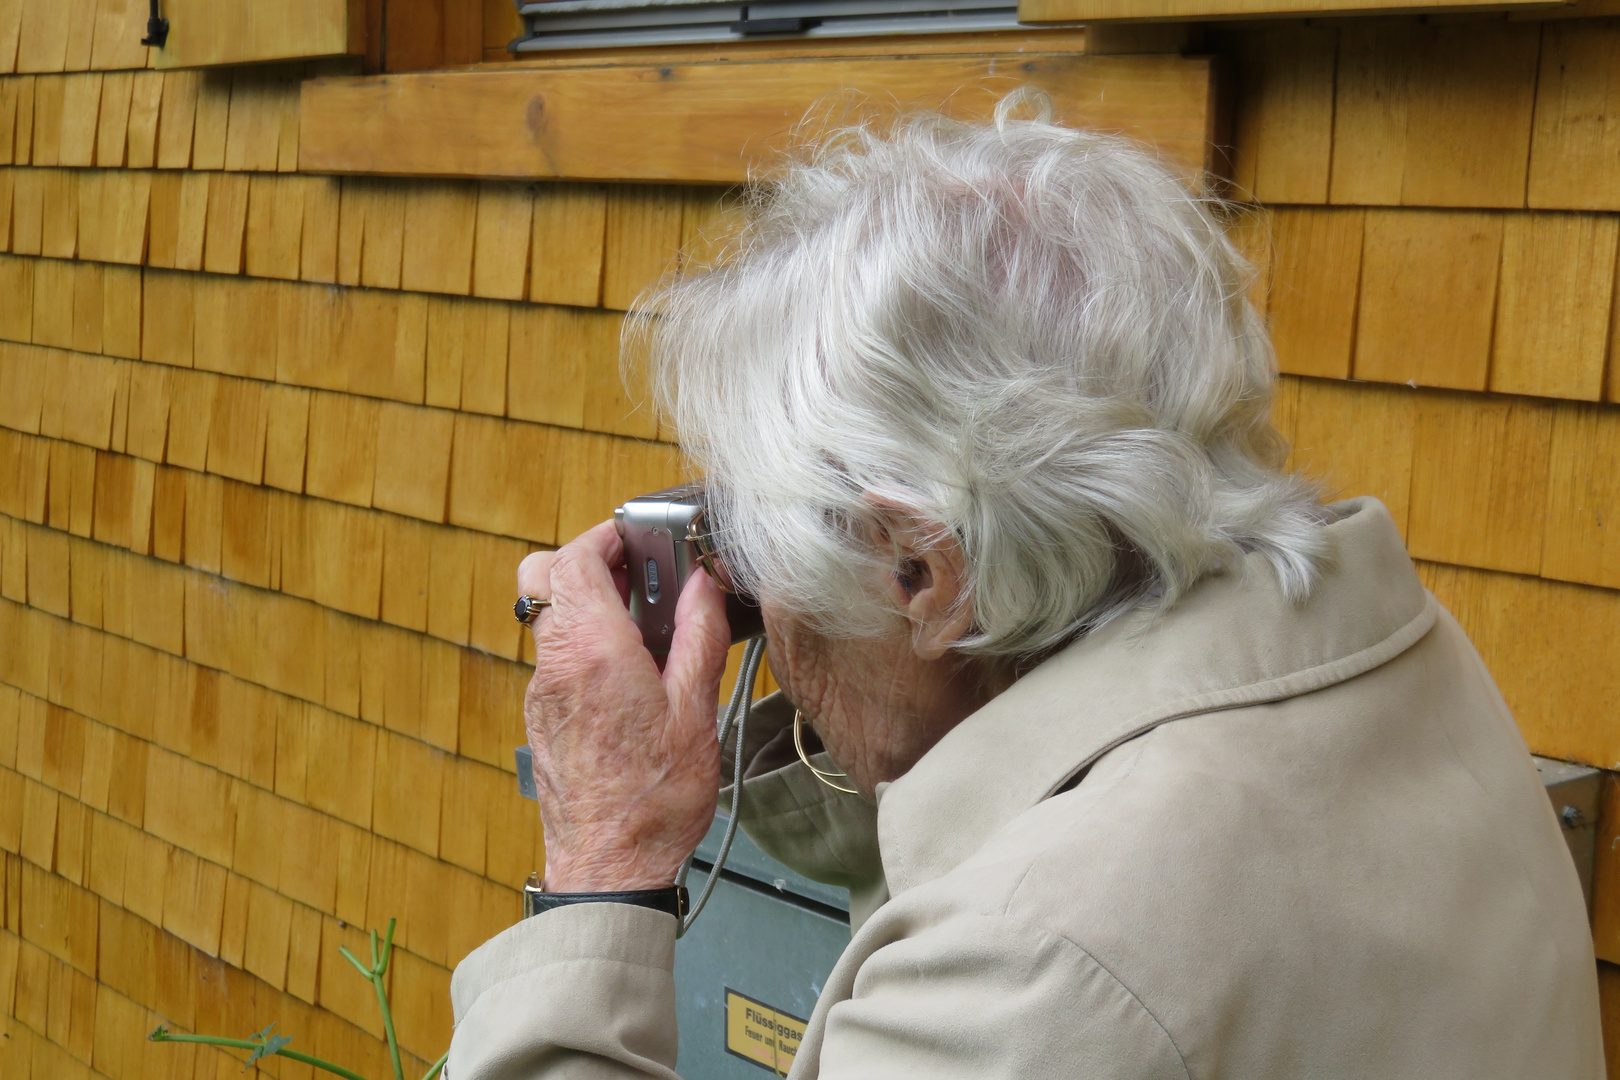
[697,650]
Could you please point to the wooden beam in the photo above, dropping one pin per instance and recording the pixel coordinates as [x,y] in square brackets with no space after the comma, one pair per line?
[205,33]
[714,122]
[1039,11]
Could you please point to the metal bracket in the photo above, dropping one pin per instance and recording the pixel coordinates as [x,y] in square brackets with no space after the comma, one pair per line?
[797,24]
[525,771]
[157,28]
[1575,791]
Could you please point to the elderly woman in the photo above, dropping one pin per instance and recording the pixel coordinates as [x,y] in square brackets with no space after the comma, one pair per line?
[1161,767]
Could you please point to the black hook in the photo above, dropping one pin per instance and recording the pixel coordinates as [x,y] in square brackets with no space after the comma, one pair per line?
[157,28]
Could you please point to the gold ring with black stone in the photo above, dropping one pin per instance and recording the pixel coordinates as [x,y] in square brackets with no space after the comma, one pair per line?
[527,609]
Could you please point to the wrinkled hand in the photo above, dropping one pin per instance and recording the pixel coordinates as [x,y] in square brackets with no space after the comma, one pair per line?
[626,764]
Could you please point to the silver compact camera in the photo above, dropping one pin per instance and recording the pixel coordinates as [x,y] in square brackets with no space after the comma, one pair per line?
[667,538]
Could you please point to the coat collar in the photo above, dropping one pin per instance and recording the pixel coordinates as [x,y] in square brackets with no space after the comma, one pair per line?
[1233,640]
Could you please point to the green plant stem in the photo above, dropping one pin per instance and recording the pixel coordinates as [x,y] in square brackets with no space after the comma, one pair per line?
[249,1044]
[438,1067]
[379,969]
[388,1026]
[375,973]
[365,972]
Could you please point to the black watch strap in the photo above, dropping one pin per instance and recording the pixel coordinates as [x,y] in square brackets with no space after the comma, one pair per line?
[671,900]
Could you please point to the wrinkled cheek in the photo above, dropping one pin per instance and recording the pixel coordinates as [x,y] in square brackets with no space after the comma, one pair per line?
[814,673]
[793,657]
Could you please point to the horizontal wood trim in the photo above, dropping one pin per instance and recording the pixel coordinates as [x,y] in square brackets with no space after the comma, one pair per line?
[712,123]
[1579,9]
[206,33]
[1038,11]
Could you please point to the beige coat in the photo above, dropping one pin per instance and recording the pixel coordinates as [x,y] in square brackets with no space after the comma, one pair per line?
[1306,841]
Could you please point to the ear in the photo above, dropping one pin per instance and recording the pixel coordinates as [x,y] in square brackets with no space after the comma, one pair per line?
[928,582]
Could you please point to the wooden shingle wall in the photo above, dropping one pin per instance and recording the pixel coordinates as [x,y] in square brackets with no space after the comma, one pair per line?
[1435,217]
[1435,222]
[271,447]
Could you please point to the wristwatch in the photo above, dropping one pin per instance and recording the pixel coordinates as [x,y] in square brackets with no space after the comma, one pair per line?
[671,900]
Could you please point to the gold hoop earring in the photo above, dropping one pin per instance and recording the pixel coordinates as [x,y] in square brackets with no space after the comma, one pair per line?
[821,774]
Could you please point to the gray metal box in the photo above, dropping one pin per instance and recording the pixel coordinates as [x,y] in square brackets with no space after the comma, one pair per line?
[749,971]
[1575,791]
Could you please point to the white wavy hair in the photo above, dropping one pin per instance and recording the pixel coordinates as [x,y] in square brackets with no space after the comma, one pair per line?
[1036,338]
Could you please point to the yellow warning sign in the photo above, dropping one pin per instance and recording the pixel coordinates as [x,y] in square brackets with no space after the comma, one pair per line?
[759,1033]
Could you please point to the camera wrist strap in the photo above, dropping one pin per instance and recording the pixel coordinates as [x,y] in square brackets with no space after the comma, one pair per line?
[736,714]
